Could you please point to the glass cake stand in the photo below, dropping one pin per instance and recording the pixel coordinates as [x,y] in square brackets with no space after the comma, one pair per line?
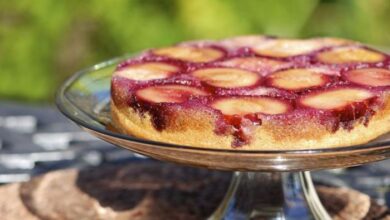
[265,184]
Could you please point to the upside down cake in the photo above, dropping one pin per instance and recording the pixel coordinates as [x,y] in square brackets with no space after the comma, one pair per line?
[255,93]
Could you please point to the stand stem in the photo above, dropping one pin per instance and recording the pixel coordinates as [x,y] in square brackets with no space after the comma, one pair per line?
[262,195]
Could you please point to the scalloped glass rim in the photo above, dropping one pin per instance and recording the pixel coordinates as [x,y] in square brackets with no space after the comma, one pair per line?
[70,110]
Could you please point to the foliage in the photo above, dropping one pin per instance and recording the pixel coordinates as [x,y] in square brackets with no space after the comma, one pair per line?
[42,42]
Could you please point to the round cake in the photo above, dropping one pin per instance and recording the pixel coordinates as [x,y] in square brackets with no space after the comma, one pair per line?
[255,93]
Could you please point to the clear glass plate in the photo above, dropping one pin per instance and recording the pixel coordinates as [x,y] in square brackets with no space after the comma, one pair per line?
[85,98]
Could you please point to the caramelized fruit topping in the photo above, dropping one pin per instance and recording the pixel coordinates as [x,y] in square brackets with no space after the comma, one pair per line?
[227,77]
[350,55]
[336,98]
[147,71]
[243,41]
[369,77]
[248,105]
[262,65]
[297,79]
[244,113]
[169,93]
[190,54]
[287,47]
[331,41]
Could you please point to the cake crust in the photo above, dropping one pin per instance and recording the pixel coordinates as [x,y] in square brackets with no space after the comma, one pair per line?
[198,131]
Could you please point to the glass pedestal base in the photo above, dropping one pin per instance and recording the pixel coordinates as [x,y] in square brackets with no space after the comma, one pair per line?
[271,195]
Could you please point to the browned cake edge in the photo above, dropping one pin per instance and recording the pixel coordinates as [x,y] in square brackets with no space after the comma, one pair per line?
[196,128]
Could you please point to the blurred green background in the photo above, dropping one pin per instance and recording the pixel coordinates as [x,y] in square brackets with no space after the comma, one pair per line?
[44,41]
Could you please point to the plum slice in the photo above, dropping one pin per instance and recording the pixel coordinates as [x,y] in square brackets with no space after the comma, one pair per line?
[147,71]
[336,99]
[369,77]
[243,41]
[293,47]
[248,105]
[263,65]
[227,77]
[169,93]
[332,41]
[297,79]
[242,113]
[190,54]
[349,55]
[287,47]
